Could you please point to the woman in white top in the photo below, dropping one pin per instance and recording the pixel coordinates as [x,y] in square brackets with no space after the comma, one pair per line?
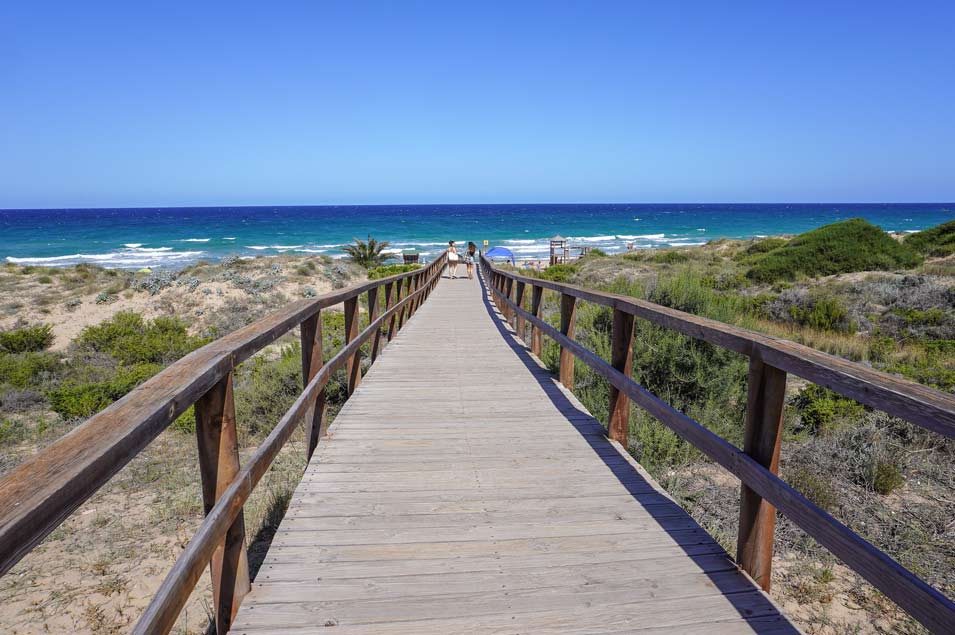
[452,259]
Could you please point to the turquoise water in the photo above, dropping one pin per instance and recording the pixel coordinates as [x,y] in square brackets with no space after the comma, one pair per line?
[177,236]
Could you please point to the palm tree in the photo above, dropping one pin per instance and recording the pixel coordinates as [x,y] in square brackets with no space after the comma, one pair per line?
[367,253]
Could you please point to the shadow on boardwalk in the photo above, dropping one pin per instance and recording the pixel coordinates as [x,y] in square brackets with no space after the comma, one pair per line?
[758,611]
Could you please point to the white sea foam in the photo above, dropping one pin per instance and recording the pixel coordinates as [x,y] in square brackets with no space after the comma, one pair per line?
[228,238]
[641,236]
[688,243]
[128,257]
[195,240]
[593,239]
[133,245]
[521,241]
[312,251]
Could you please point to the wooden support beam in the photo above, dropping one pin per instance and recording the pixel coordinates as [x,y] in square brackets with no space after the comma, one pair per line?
[621,358]
[537,310]
[404,288]
[353,368]
[312,361]
[762,439]
[390,299]
[218,465]
[373,314]
[568,315]
[519,323]
[508,293]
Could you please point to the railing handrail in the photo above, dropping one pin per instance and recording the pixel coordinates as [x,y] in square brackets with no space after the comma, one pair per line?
[40,493]
[757,464]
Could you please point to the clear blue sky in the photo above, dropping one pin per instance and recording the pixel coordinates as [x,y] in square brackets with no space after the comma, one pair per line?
[119,104]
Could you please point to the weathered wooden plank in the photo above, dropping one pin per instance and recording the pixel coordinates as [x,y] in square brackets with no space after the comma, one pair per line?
[568,313]
[217,439]
[762,441]
[312,361]
[621,358]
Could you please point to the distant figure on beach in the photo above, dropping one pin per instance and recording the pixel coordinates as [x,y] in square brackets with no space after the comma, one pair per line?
[452,259]
[469,259]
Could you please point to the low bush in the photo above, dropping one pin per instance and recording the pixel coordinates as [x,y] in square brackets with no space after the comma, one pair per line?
[822,410]
[824,313]
[938,241]
[558,273]
[843,247]
[26,370]
[77,400]
[377,273]
[26,339]
[763,246]
[132,340]
[669,257]
[814,485]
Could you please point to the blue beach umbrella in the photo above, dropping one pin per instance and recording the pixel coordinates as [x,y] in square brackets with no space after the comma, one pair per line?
[501,252]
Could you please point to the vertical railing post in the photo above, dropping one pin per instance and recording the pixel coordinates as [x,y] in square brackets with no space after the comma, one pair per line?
[372,316]
[508,293]
[312,361]
[621,358]
[218,465]
[761,441]
[568,314]
[390,302]
[352,330]
[519,323]
[537,309]
[404,288]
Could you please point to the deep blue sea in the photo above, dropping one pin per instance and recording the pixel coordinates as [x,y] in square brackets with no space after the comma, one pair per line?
[173,237]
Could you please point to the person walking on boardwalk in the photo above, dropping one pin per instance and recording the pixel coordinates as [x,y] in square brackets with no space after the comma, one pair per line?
[469,259]
[452,259]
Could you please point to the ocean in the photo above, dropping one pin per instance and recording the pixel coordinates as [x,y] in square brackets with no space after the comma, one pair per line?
[174,237]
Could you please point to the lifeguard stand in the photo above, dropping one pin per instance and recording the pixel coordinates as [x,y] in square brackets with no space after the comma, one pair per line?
[558,250]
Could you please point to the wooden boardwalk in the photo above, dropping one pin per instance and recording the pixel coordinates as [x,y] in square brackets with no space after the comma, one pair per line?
[486,500]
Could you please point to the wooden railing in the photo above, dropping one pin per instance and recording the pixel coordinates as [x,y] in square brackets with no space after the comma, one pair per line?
[42,492]
[756,465]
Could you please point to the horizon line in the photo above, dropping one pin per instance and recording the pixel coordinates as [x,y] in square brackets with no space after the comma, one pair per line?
[252,206]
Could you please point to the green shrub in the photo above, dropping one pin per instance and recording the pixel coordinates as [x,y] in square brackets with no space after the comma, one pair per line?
[916,317]
[764,246]
[669,257]
[186,422]
[266,388]
[821,410]
[45,280]
[816,487]
[390,270]
[558,273]
[132,340]
[843,247]
[12,431]
[24,370]
[937,242]
[26,339]
[74,400]
[823,313]
[884,476]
